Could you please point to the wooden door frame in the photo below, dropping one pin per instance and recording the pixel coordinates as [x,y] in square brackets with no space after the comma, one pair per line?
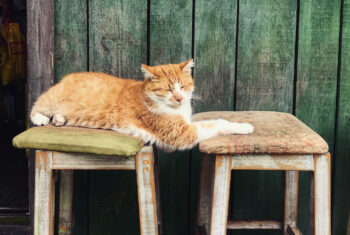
[40,51]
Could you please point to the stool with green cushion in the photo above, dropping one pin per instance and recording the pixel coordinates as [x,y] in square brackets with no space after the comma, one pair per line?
[70,148]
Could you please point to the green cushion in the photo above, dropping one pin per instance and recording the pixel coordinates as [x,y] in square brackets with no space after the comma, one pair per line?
[74,139]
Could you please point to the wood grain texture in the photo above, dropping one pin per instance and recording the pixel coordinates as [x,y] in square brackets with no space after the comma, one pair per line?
[71,43]
[65,212]
[341,164]
[265,74]
[291,179]
[214,53]
[80,161]
[204,207]
[157,182]
[71,55]
[317,66]
[266,42]
[214,72]
[170,38]
[220,195]
[274,133]
[317,76]
[293,230]
[117,45]
[118,37]
[170,31]
[40,47]
[146,193]
[322,194]
[273,162]
[262,224]
[40,40]
[44,201]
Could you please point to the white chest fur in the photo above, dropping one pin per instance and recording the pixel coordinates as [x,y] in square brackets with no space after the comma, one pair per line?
[184,110]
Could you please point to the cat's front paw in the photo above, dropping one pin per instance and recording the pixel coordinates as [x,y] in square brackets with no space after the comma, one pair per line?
[40,120]
[228,128]
[244,128]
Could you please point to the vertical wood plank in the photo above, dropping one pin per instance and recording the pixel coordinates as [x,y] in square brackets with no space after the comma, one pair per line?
[170,42]
[65,213]
[220,196]
[214,72]
[40,39]
[322,194]
[118,37]
[118,46]
[317,75]
[170,31]
[44,201]
[71,55]
[266,44]
[290,200]
[146,192]
[317,65]
[341,206]
[265,76]
[70,37]
[156,176]
[202,223]
[40,46]
[214,53]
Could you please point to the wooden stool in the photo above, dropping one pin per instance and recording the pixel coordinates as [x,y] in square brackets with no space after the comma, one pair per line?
[279,142]
[67,149]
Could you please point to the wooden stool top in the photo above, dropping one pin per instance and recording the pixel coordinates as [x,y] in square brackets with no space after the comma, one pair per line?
[274,132]
[75,139]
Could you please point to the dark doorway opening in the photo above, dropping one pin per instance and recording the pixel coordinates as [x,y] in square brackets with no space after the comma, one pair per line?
[14,205]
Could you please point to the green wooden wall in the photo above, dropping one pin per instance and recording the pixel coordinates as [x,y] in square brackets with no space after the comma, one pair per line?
[289,55]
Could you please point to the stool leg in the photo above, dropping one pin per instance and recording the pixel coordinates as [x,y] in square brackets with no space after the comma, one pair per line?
[290,200]
[205,195]
[221,190]
[322,194]
[44,199]
[312,203]
[156,175]
[65,217]
[146,191]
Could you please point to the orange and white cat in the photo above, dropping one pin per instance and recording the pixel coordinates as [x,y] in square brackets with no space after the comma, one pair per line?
[157,109]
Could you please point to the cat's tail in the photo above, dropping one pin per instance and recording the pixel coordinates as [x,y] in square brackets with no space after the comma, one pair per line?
[42,111]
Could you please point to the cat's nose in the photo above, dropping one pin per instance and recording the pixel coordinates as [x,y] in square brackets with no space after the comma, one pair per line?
[179,99]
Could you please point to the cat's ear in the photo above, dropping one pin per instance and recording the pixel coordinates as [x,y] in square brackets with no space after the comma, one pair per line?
[148,71]
[187,66]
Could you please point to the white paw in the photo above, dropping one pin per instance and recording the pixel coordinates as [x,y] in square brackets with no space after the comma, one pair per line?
[58,120]
[40,120]
[244,128]
[227,127]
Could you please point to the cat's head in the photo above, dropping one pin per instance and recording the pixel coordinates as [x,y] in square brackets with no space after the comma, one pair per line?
[170,84]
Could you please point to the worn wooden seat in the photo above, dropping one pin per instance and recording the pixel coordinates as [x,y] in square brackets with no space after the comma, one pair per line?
[70,148]
[280,142]
[274,133]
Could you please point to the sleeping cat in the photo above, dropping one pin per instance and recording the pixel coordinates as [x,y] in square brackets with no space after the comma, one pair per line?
[157,109]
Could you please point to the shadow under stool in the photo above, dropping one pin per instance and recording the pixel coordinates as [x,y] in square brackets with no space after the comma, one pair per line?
[64,149]
[279,142]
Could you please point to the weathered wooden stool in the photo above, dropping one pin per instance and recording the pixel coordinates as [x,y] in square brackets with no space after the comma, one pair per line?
[279,142]
[66,149]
